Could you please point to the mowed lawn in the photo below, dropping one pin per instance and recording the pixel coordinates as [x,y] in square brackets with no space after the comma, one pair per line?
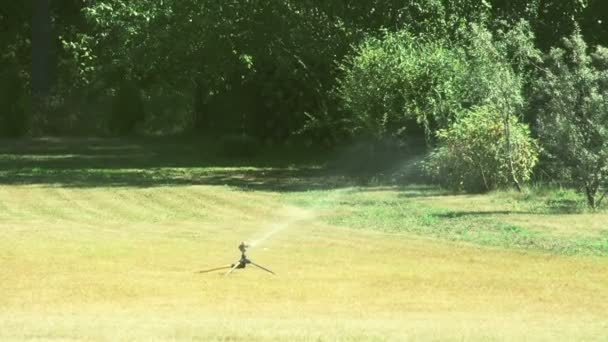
[104,240]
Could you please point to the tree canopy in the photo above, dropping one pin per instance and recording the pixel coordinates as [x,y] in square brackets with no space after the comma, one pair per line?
[322,71]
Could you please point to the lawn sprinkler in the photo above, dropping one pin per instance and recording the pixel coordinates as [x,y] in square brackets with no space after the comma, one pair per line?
[242,263]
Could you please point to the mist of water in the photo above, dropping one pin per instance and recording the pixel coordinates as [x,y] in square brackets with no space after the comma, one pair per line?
[290,216]
[404,166]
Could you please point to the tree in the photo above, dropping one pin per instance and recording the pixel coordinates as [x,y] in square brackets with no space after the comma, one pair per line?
[498,64]
[573,122]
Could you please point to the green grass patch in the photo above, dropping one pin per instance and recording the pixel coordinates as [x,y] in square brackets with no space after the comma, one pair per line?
[438,215]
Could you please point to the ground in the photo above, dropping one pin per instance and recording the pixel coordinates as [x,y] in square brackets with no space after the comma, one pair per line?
[104,240]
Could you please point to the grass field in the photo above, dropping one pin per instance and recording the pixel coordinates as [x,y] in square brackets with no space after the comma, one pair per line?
[103,240]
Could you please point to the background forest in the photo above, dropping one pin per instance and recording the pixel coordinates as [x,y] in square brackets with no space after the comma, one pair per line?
[495,92]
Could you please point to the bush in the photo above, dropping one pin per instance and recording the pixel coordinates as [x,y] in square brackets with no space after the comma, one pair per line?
[127,109]
[394,81]
[13,103]
[472,156]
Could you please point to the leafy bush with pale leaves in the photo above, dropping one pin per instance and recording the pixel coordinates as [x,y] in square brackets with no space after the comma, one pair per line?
[402,79]
[399,78]
[472,156]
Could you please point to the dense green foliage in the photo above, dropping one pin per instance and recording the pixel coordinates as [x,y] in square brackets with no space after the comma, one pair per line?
[573,125]
[278,57]
[471,154]
[325,72]
[401,78]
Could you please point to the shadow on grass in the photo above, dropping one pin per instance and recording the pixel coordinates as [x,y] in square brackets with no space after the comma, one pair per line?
[543,209]
[422,190]
[93,162]
[466,214]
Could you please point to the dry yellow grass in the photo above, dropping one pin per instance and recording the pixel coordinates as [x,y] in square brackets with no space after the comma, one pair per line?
[114,264]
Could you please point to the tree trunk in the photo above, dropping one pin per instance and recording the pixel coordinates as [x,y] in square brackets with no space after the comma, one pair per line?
[510,153]
[41,48]
[591,192]
[200,106]
[599,202]
[41,61]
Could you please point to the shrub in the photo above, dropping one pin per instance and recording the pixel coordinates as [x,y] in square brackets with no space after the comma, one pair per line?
[127,109]
[396,80]
[471,154]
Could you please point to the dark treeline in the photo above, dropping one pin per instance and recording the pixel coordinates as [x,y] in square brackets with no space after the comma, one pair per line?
[323,71]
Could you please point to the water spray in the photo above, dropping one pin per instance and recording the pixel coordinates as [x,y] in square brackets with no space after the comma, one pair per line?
[296,216]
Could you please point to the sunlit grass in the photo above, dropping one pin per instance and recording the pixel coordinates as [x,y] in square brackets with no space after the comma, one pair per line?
[98,259]
[504,219]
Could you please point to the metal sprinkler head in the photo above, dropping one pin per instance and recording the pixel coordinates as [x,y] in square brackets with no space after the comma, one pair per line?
[241,263]
[243,247]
